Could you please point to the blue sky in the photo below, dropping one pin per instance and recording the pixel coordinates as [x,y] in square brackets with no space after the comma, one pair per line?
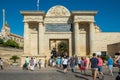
[108,17]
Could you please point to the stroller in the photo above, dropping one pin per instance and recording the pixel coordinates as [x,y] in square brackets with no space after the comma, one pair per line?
[25,66]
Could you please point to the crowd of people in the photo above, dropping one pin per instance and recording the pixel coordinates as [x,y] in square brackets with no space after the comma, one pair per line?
[31,63]
[72,62]
[95,63]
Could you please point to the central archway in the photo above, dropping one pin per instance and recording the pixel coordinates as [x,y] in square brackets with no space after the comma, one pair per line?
[60,46]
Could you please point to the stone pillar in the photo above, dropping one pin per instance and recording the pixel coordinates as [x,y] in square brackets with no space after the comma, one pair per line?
[91,37]
[70,48]
[26,38]
[41,38]
[76,38]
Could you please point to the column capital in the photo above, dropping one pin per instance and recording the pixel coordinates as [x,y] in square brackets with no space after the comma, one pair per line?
[26,21]
[41,23]
[92,26]
[91,23]
[76,22]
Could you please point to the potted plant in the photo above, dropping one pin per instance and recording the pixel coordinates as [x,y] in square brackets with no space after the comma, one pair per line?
[14,58]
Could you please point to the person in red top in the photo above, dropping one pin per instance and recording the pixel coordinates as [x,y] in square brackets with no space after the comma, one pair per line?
[86,62]
[82,66]
[100,64]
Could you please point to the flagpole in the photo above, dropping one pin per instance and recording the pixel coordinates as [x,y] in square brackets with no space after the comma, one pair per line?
[38,5]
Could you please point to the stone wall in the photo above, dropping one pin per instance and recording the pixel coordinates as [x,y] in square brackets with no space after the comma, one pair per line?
[113,48]
[34,44]
[103,39]
[83,44]
[6,53]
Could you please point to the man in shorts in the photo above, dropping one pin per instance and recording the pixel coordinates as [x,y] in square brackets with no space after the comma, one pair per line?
[94,66]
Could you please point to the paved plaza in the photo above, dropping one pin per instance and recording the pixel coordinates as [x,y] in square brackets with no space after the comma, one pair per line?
[16,73]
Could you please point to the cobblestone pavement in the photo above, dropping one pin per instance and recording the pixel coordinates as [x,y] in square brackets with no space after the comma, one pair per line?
[16,73]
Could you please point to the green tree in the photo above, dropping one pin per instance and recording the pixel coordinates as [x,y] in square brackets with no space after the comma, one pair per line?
[62,48]
[1,41]
[14,58]
[11,43]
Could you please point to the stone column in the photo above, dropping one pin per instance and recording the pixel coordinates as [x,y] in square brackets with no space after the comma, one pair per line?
[91,37]
[76,38]
[41,38]
[70,47]
[26,38]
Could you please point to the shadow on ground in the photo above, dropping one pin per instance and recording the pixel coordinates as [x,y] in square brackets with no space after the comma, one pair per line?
[81,77]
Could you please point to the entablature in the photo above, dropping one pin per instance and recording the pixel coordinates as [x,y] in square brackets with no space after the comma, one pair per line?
[58,20]
[33,18]
[36,16]
[83,16]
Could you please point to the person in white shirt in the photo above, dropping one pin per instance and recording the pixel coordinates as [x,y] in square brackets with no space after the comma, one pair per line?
[35,62]
[65,64]
[32,64]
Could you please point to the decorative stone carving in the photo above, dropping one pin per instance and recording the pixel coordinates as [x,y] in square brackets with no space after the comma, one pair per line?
[58,14]
[58,11]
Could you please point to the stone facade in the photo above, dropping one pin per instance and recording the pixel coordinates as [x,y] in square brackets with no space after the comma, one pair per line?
[84,37]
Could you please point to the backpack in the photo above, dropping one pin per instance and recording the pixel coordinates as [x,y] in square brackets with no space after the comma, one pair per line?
[94,62]
[118,77]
